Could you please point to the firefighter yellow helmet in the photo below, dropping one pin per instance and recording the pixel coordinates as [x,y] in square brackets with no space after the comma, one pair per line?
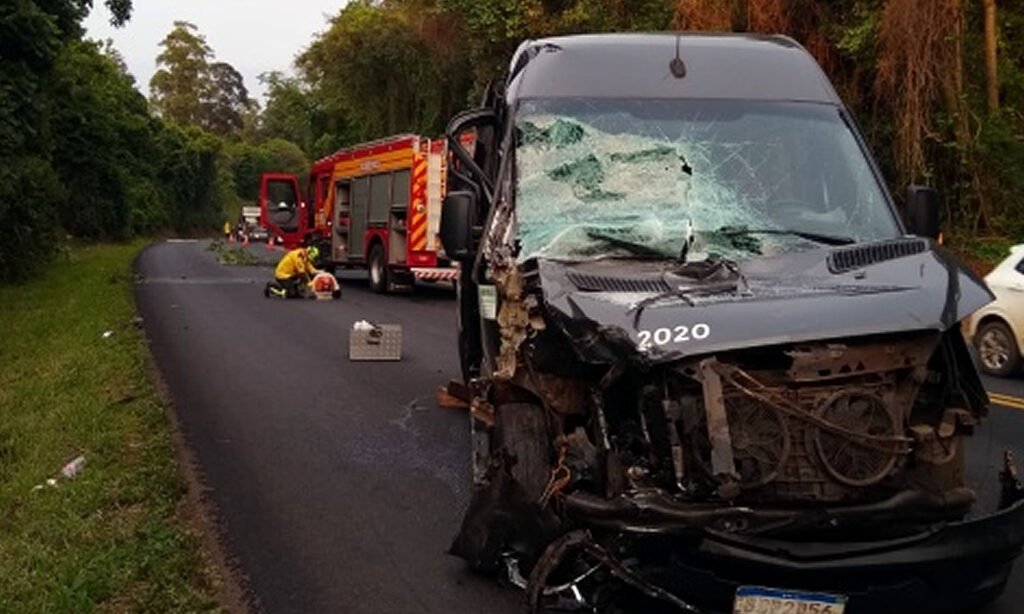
[312,252]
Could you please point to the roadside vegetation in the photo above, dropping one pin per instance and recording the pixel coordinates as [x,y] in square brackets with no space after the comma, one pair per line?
[938,87]
[74,382]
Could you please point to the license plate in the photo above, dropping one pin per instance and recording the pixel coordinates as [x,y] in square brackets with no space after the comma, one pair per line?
[761,600]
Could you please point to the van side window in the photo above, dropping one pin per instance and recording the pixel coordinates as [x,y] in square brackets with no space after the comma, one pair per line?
[1020,266]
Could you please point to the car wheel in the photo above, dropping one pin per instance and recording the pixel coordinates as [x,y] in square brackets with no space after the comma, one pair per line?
[378,269]
[998,353]
[521,429]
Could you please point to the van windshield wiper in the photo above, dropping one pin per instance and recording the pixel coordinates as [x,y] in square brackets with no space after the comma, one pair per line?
[817,237]
[712,276]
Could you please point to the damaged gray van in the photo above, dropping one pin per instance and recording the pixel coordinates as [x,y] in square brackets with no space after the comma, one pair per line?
[709,362]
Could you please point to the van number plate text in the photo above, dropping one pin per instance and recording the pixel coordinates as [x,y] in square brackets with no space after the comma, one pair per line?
[761,600]
[677,334]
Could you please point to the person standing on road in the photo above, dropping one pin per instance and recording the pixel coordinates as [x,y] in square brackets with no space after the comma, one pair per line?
[295,268]
[227,231]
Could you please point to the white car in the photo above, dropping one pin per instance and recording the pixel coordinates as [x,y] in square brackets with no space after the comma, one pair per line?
[997,330]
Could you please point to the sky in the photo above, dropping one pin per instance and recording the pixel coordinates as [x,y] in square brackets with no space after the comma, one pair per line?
[254,36]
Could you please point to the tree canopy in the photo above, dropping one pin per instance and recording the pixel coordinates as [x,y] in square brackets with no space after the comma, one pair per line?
[191,88]
[938,87]
[83,154]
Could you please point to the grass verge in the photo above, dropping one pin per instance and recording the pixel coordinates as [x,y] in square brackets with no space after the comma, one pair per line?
[113,538]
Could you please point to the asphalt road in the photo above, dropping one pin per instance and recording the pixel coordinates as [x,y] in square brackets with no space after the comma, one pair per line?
[339,485]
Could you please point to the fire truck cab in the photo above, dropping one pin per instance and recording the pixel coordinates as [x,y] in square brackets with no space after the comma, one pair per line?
[375,205]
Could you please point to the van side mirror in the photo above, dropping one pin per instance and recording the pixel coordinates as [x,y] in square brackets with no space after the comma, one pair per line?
[458,218]
[923,211]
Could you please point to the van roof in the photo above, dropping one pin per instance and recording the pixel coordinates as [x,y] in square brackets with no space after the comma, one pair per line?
[718,66]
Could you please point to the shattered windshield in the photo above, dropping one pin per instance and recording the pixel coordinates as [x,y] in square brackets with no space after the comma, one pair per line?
[690,179]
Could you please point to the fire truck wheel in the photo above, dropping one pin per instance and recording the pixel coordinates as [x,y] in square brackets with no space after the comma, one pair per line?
[378,269]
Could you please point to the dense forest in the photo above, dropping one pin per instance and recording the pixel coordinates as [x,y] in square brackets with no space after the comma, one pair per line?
[937,86]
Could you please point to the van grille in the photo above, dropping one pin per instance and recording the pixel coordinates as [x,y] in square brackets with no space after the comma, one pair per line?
[844,260]
[600,283]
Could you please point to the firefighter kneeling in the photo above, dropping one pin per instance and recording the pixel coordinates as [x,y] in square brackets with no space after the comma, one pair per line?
[295,274]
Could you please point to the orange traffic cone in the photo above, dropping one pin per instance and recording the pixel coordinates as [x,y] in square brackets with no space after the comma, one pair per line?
[245,240]
[270,242]
[231,237]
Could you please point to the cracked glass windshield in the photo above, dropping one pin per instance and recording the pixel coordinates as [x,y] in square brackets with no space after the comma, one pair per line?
[690,179]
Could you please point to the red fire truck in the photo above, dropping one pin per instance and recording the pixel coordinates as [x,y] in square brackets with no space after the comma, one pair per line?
[376,205]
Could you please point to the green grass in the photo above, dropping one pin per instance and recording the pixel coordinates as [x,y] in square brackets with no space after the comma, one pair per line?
[112,539]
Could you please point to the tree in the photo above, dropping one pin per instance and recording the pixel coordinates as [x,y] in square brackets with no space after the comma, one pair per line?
[991,59]
[292,111]
[103,134]
[192,89]
[120,10]
[249,161]
[183,76]
[226,101]
[370,67]
[32,37]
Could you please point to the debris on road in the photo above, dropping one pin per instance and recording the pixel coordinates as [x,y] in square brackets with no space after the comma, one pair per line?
[455,395]
[368,341]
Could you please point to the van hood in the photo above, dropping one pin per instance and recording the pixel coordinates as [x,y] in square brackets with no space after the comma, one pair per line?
[671,310]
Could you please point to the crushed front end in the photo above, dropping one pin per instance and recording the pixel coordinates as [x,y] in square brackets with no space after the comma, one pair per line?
[782,425]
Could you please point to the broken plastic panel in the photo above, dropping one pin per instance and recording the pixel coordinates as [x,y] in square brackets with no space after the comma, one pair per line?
[647,178]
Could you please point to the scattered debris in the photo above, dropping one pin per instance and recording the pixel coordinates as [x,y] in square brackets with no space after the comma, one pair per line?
[73,467]
[455,395]
[108,334]
[70,470]
[233,255]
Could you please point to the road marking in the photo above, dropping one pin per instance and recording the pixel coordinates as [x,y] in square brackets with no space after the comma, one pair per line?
[1006,400]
